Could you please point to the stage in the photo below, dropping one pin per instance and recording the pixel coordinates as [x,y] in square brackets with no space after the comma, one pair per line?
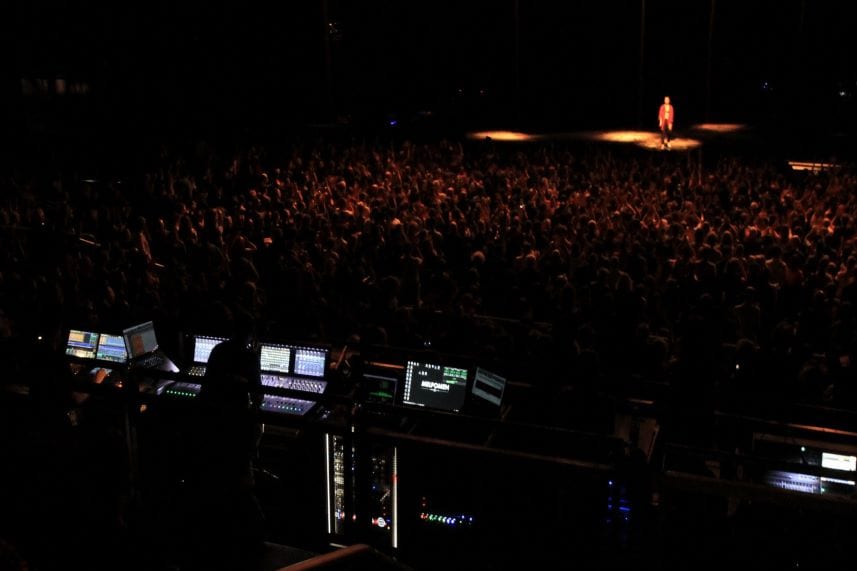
[684,140]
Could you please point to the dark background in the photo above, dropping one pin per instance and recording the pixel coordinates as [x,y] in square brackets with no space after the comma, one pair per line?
[162,67]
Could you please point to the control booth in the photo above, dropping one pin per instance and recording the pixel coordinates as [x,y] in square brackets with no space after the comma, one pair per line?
[397,449]
[411,450]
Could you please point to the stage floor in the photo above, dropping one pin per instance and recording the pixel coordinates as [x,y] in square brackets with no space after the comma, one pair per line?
[685,140]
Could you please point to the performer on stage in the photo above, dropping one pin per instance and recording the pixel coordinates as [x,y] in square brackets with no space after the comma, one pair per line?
[666,116]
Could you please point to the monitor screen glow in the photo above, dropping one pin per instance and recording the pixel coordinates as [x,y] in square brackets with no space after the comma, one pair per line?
[435,386]
[140,339]
[81,344]
[488,386]
[202,347]
[111,348]
[275,358]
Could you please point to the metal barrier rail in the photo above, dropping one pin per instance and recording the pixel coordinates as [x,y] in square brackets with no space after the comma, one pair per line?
[348,556]
[502,452]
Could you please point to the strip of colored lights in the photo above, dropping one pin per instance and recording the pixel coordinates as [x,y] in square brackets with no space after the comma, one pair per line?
[460,520]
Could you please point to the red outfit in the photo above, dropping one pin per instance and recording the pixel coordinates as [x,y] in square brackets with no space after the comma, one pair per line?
[666,116]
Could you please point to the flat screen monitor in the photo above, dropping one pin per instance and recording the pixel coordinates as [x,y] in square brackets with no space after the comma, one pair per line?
[310,361]
[275,358]
[111,348]
[436,386]
[81,344]
[842,462]
[140,339]
[488,386]
[202,346]
[380,388]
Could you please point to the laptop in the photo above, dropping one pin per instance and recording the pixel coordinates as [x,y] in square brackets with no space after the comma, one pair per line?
[202,347]
[142,345]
